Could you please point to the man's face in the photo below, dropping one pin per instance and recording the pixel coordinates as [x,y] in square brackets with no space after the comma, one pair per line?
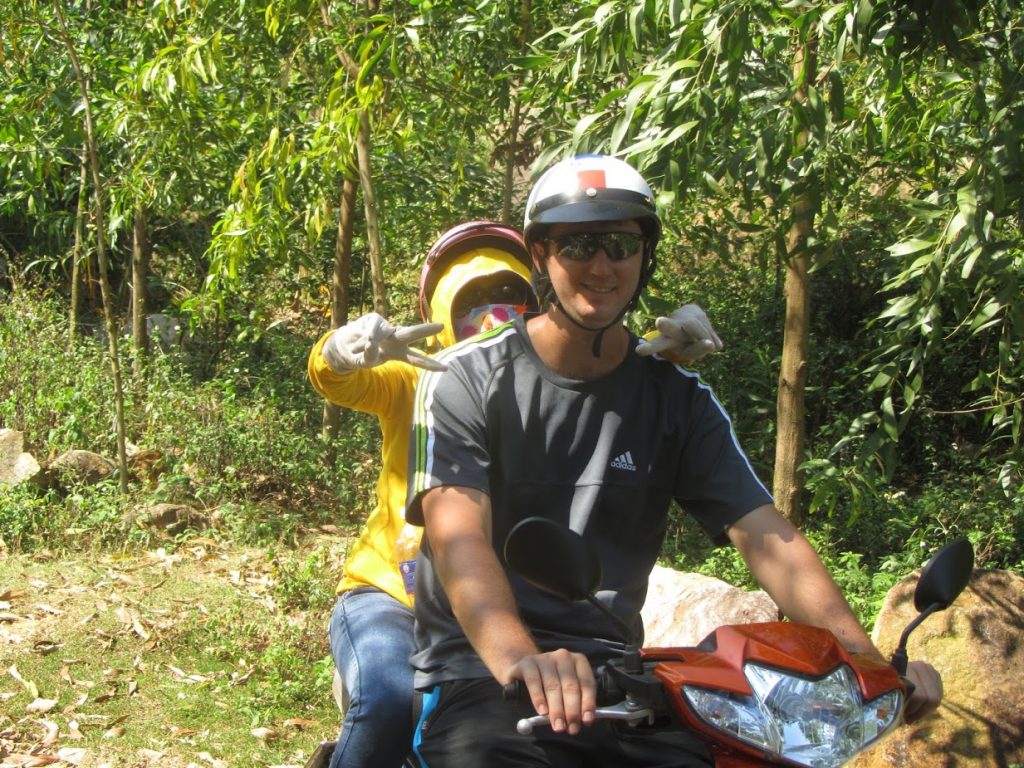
[594,267]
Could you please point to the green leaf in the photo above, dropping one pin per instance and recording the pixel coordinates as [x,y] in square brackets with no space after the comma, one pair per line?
[899,308]
[967,204]
[816,108]
[675,12]
[583,125]
[534,62]
[889,423]
[754,229]
[912,389]
[622,125]
[864,12]
[969,262]
[636,17]
[987,315]
[914,245]
[836,97]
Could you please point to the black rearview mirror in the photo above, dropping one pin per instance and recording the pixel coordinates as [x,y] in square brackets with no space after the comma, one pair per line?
[553,558]
[945,576]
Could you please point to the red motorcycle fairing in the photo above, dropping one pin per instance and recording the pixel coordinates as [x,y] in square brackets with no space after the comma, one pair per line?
[718,662]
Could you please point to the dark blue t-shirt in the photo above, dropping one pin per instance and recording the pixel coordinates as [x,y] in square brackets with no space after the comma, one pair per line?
[604,457]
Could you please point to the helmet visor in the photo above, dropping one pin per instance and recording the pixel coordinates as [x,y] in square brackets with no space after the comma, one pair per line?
[505,288]
[480,319]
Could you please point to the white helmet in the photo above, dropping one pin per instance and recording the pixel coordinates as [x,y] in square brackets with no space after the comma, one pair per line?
[591,188]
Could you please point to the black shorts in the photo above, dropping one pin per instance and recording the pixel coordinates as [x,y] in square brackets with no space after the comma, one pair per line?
[467,724]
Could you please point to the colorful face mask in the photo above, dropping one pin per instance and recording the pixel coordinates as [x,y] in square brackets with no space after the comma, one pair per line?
[480,319]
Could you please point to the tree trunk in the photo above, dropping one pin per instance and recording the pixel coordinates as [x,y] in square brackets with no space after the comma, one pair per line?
[380,302]
[81,216]
[343,255]
[512,143]
[790,408]
[365,174]
[101,253]
[339,290]
[510,163]
[791,437]
[140,274]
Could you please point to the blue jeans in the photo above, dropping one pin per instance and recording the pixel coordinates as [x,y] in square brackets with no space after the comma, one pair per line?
[371,637]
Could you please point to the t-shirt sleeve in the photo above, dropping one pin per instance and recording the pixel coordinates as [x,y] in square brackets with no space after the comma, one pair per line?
[716,483]
[448,438]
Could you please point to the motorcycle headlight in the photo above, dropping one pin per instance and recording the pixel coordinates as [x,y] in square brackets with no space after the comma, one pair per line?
[818,723]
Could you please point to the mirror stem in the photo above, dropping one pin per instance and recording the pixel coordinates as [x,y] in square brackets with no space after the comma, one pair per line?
[899,656]
[631,655]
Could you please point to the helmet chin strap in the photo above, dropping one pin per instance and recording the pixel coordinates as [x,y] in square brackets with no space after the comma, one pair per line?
[598,332]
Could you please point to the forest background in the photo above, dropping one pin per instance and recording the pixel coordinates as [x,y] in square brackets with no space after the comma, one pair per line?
[842,187]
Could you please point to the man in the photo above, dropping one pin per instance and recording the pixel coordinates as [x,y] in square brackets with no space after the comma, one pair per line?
[475,276]
[568,416]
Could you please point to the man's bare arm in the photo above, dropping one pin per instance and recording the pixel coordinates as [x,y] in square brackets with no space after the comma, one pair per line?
[787,567]
[458,526]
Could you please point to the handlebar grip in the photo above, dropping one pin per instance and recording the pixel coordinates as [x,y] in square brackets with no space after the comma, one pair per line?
[910,687]
[514,692]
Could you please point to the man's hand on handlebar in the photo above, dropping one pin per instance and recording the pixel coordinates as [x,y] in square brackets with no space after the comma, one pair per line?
[561,686]
[927,690]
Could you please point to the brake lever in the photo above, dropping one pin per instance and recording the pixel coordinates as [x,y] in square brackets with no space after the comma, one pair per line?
[621,711]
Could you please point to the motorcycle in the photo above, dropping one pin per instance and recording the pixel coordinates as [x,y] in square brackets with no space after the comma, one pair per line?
[775,693]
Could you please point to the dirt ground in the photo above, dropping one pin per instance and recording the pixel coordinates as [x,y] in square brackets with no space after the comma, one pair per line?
[155,658]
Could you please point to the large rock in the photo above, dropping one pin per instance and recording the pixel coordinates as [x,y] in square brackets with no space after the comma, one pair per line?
[146,466]
[682,608]
[80,467]
[16,466]
[977,645]
[170,518]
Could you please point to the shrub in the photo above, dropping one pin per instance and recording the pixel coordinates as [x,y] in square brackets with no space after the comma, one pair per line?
[247,439]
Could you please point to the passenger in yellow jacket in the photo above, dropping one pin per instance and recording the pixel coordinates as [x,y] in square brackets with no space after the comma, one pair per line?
[476,276]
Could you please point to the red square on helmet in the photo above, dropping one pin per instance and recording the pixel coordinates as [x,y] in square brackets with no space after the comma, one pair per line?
[593,178]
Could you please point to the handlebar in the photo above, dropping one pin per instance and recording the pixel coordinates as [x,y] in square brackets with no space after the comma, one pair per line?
[632,713]
[514,692]
[623,711]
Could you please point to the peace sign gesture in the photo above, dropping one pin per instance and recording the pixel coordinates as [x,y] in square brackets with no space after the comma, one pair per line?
[371,340]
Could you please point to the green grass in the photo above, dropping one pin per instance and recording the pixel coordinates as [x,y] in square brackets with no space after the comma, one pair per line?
[181,654]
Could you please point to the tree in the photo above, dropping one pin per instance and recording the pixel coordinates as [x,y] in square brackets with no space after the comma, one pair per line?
[99,191]
[793,369]
[950,106]
[701,96]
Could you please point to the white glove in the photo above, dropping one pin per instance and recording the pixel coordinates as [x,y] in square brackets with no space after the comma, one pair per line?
[685,334]
[371,340]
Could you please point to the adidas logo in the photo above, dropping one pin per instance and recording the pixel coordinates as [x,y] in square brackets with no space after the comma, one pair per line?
[625,461]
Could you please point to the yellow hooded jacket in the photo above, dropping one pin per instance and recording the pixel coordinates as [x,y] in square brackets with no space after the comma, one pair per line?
[387,391]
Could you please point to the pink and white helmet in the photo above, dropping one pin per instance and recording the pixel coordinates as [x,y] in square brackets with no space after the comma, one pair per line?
[459,240]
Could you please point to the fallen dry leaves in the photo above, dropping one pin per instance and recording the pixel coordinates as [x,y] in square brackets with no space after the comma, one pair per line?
[109,604]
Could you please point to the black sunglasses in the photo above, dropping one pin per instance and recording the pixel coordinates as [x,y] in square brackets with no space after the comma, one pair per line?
[582,246]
